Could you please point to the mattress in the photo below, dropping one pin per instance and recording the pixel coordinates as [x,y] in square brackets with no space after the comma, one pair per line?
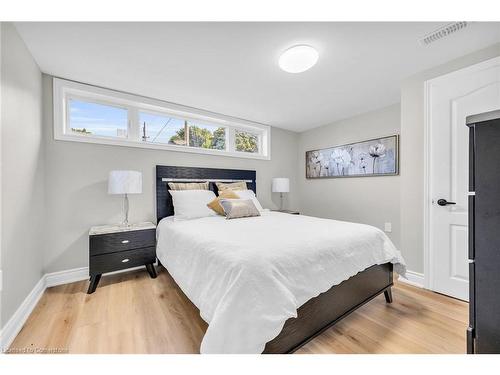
[248,276]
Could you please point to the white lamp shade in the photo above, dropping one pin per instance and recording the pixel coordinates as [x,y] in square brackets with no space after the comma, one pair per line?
[281,185]
[125,182]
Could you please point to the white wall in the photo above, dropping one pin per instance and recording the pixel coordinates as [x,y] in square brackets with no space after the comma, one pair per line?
[412,148]
[22,149]
[369,200]
[76,190]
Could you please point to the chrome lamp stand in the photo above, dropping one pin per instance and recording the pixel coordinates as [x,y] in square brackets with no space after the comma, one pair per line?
[125,210]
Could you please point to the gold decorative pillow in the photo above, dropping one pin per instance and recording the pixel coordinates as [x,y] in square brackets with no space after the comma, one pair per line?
[188,185]
[240,185]
[215,204]
[238,208]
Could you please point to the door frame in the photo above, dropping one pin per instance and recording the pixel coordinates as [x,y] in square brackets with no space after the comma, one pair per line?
[427,243]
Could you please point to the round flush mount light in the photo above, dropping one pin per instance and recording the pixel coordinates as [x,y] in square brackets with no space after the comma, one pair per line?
[298,59]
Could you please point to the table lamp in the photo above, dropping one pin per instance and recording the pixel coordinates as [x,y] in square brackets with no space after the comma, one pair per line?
[281,185]
[125,182]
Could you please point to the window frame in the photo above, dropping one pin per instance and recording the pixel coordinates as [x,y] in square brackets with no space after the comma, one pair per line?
[64,90]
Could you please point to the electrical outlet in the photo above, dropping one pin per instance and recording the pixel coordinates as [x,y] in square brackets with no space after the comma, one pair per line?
[388,227]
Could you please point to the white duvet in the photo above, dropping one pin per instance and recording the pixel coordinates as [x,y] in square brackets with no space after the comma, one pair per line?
[248,276]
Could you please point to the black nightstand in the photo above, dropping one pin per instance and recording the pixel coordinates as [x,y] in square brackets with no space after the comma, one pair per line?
[291,212]
[113,248]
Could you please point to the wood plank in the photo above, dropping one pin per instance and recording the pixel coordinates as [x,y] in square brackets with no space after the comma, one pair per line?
[132,313]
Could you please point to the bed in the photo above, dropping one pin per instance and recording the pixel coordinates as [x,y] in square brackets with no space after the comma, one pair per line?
[268,284]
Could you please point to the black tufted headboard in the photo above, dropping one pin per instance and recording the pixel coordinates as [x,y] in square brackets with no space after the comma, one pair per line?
[164,206]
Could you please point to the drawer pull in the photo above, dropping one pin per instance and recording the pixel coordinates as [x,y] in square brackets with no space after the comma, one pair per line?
[125,241]
[125,260]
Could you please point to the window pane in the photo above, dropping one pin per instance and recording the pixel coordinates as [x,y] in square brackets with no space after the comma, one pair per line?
[162,129]
[246,142]
[207,136]
[86,118]
[165,129]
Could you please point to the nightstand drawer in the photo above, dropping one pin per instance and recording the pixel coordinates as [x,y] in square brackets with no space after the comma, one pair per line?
[113,242]
[124,259]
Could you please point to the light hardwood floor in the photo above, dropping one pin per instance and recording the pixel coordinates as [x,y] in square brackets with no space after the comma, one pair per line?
[131,313]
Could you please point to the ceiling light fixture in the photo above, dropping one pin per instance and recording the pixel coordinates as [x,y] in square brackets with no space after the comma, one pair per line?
[298,59]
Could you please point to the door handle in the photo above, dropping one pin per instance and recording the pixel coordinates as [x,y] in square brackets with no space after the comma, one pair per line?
[444,202]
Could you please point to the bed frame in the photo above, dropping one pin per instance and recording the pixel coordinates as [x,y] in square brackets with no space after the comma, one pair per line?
[317,314]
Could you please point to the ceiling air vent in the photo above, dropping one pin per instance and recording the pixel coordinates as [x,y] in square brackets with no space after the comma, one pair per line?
[442,32]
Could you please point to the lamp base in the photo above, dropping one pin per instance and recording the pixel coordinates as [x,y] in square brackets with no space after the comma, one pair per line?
[125,211]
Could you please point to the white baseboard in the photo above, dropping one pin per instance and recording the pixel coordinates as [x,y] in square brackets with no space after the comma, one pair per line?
[413,278]
[66,277]
[77,274]
[16,322]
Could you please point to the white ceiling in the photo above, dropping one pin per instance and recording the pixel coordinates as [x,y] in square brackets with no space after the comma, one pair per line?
[232,68]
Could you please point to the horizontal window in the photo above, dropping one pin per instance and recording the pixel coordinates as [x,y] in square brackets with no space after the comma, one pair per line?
[85,113]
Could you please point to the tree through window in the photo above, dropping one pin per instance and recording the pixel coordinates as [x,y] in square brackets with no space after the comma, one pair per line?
[247,142]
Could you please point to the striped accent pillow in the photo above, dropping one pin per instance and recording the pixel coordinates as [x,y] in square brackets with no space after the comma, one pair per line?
[188,185]
[240,185]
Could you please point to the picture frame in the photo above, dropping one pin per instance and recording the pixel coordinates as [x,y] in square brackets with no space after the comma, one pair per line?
[368,158]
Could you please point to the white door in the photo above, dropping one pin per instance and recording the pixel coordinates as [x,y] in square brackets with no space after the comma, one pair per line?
[450,99]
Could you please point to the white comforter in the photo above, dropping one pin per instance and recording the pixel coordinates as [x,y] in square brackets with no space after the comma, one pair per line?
[248,276]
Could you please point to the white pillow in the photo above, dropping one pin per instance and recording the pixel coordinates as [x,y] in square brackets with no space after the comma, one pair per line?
[249,194]
[191,204]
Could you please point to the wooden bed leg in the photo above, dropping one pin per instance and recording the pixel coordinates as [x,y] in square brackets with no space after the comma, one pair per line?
[388,295]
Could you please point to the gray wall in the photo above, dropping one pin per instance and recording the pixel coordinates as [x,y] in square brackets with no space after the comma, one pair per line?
[76,189]
[412,148]
[23,210]
[369,200]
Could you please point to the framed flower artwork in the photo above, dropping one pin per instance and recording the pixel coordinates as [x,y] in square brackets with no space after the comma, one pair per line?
[374,157]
